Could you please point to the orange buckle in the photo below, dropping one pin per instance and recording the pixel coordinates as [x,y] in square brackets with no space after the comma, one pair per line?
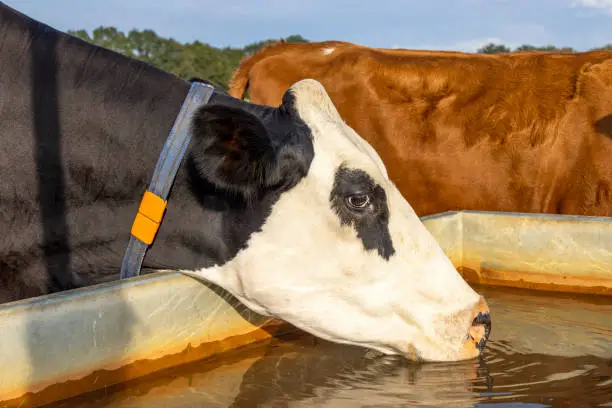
[150,214]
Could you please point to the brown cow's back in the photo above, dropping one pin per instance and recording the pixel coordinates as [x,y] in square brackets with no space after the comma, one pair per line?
[529,132]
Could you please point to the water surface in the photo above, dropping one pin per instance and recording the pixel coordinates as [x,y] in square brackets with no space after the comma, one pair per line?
[544,351]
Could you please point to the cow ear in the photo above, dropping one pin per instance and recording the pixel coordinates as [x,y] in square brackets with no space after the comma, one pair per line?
[232,150]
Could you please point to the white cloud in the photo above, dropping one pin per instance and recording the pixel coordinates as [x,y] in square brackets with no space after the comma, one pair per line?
[605,5]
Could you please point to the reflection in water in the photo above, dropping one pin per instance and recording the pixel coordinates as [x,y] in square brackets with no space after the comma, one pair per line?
[544,352]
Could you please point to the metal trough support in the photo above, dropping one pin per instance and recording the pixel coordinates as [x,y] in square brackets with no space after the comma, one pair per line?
[61,345]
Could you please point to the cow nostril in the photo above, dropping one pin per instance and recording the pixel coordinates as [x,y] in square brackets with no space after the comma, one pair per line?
[482,320]
[485,320]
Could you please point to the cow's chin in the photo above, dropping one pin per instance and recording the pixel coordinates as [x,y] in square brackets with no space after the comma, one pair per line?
[383,338]
[441,351]
[344,320]
[420,350]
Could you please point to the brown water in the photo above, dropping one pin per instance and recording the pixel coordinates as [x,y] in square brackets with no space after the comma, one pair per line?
[544,351]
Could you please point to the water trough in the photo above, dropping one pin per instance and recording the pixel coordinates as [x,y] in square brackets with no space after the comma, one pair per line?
[57,346]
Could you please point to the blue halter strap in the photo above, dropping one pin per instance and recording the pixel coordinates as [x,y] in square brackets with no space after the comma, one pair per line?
[153,204]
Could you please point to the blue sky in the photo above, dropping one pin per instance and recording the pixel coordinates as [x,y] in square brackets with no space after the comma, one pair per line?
[433,24]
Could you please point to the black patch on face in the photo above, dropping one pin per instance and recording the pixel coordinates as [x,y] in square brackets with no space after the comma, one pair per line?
[362,203]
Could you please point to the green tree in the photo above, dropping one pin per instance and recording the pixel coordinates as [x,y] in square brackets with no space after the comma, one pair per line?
[110,37]
[186,60]
[254,47]
[202,60]
[545,48]
[492,48]
[296,39]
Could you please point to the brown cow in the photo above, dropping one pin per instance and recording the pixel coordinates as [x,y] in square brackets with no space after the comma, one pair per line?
[526,132]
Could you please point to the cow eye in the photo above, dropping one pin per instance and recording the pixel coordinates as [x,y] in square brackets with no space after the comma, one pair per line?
[358,201]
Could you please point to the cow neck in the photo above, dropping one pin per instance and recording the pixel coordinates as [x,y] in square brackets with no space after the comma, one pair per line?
[104,119]
[153,204]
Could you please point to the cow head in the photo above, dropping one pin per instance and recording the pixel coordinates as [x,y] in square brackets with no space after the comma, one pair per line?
[339,253]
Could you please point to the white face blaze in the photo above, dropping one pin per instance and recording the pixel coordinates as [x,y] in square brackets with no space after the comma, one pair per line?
[309,269]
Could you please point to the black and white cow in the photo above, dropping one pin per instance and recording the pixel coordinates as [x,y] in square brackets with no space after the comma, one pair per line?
[286,208]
